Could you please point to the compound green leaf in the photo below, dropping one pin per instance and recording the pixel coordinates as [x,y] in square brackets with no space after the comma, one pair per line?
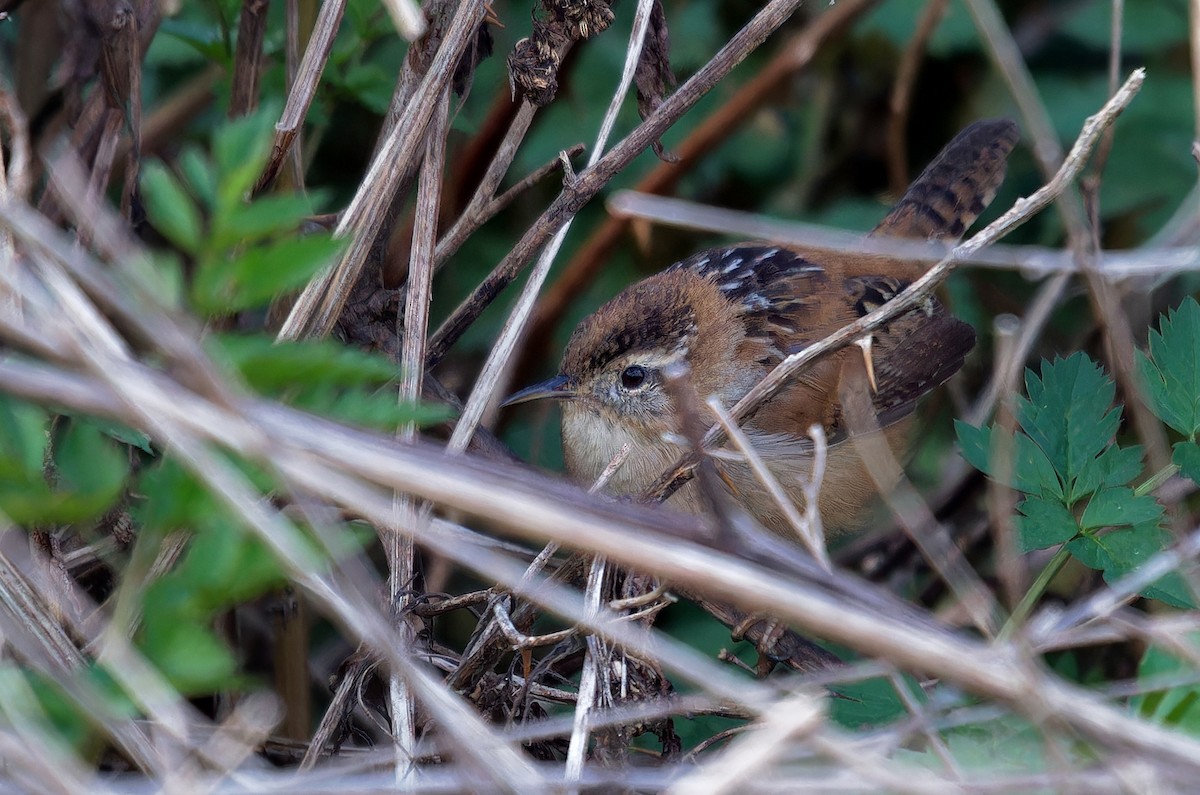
[1171,372]
[1044,523]
[1186,456]
[1069,415]
[1119,506]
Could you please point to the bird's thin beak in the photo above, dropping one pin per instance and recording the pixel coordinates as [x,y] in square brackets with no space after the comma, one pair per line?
[559,387]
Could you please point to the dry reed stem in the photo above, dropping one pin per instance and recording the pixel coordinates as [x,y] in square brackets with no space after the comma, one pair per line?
[303,89]
[320,304]
[809,536]
[1031,261]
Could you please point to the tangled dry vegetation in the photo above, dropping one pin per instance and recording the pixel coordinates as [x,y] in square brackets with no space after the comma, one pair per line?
[261,533]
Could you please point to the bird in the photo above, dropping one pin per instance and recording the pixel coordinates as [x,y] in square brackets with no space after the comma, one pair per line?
[731,314]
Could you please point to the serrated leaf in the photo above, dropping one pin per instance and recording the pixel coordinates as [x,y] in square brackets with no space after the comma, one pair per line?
[1031,472]
[1119,506]
[975,444]
[1069,414]
[259,274]
[1116,466]
[1171,372]
[1121,552]
[1091,553]
[1173,590]
[170,208]
[1035,473]
[1186,456]
[1044,523]
[260,219]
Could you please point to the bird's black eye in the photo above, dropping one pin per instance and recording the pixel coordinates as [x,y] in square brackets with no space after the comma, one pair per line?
[633,376]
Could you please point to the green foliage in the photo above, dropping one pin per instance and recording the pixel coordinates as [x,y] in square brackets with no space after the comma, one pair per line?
[224,565]
[1177,706]
[324,377]
[1076,480]
[245,253]
[56,703]
[1171,370]
[1171,374]
[72,474]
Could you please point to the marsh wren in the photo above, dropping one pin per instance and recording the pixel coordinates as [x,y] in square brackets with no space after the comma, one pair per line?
[731,314]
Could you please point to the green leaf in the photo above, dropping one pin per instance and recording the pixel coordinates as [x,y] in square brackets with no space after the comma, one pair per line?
[170,209]
[1148,25]
[200,175]
[1119,506]
[1179,706]
[260,219]
[271,367]
[225,565]
[173,497]
[1068,415]
[117,431]
[204,39]
[240,150]
[22,438]
[1186,456]
[370,85]
[259,274]
[189,655]
[975,445]
[1171,372]
[90,469]
[1032,471]
[374,410]
[1044,523]
[90,464]
[1116,466]
[1120,552]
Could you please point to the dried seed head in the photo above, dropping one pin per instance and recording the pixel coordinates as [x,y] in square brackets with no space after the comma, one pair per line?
[533,70]
[581,18]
